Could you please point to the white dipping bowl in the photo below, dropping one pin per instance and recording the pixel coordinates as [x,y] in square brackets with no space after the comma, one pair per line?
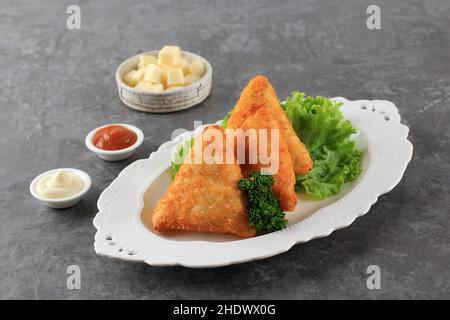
[166,101]
[115,155]
[62,203]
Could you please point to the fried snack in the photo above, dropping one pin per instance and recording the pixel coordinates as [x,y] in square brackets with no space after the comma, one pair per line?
[205,197]
[284,176]
[258,94]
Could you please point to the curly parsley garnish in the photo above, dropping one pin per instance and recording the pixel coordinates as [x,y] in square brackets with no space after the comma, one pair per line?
[264,210]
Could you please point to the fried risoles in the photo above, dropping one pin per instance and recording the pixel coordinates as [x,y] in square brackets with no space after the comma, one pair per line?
[284,177]
[204,197]
[258,94]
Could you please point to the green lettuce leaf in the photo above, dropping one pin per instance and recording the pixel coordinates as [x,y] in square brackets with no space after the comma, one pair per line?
[180,154]
[321,126]
[226,118]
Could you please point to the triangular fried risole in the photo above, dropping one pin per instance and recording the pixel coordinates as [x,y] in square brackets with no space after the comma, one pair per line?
[284,176]
[205,197]
[258,94]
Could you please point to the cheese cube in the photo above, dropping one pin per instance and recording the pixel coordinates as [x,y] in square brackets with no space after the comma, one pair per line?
[169,56]
[175,77]
[190,79]
[197,68]
[164,78]
[145,60]
[148,86]
[184,65]
[153,73]
[133,77]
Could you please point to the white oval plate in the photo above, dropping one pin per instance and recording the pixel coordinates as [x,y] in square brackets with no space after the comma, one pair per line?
[131,197]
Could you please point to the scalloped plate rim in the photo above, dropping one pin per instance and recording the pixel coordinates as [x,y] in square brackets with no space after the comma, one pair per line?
[362,209]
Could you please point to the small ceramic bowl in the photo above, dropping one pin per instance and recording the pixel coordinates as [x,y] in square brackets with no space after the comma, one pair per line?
[166,101]
[63,202]
[115,155]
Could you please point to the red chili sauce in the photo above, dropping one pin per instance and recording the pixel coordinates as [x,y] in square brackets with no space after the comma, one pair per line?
[114,137]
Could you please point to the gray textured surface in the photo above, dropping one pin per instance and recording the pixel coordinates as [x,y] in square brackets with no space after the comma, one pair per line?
[58,84]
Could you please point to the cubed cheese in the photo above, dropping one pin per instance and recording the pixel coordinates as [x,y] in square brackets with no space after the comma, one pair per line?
[197,68]
[148,86]
[184,65]
[175,77]
[153,73]
[164,78]
[190,79]
[133,77]
[169,56]
[145,60]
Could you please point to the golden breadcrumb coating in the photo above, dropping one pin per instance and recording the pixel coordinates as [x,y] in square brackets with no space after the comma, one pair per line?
[205,197]
[258,94]
[284,176]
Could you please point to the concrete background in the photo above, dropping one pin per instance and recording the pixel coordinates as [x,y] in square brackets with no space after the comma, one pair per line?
[57,84]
